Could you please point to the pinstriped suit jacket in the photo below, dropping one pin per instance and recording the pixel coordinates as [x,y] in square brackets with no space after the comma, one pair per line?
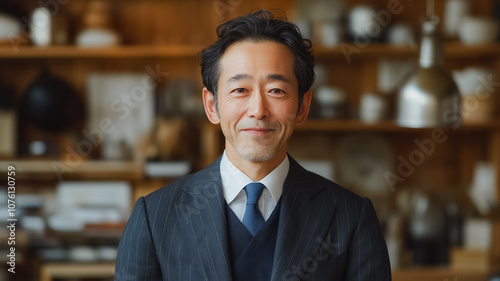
[325,233]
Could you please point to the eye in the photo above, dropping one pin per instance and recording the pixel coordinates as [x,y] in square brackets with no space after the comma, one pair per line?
[239,91]
[277,91]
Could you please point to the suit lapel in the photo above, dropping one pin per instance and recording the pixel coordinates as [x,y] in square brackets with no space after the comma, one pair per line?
[201,217]
[305,217]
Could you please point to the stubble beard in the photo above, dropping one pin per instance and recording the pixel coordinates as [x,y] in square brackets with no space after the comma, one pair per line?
[257,153]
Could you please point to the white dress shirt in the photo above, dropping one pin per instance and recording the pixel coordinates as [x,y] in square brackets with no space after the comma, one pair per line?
[234,180]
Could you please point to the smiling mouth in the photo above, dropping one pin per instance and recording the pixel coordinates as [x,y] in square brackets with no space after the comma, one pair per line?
[258,131]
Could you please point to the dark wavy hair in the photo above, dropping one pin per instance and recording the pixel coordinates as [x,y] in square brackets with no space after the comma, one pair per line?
[259,26]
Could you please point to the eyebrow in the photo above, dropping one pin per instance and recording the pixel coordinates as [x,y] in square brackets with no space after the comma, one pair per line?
[278,77]
[238,77]
[272,77]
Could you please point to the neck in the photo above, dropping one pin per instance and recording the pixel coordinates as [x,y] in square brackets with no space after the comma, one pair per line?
[256,170]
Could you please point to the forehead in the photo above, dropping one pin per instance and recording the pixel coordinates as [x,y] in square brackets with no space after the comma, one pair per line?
[257,59]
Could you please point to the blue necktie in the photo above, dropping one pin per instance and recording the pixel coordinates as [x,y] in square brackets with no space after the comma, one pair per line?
[253,219]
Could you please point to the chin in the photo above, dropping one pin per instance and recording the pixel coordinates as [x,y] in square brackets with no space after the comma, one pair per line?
[257,154]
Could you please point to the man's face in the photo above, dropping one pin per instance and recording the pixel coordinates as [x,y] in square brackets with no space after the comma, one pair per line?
[257,99]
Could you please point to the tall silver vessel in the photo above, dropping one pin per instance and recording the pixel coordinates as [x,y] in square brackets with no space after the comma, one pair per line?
[430,97]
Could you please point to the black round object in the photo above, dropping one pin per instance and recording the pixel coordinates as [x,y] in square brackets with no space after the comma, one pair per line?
[6,98]
[51,103]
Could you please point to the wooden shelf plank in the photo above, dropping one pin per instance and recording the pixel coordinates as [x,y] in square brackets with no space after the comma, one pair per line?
[458,50]
[25,52]
[452,50]
[57,170]
[383,126]
[437,274]
[370,50]
[51,271]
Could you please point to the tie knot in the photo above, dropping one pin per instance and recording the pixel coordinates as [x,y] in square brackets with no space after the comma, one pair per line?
[254,191]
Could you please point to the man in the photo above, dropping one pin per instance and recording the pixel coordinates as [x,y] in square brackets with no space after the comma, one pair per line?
[255,213]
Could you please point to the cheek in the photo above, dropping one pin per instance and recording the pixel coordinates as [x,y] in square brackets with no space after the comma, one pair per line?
[286,111]
[229,113]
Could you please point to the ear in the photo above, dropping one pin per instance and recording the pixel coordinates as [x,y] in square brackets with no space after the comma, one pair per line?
[304,109]
[209,105]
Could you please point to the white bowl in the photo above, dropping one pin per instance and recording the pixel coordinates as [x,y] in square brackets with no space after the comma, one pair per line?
[9,27]
[478,30]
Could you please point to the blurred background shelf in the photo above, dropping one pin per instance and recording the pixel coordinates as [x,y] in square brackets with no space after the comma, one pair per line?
[145,51]
[452,50]
[57,271]
[96,169]
[438,274]
[383,126]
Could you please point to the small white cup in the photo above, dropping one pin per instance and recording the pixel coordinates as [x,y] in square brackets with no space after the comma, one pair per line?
[401,34]
[478,30]
[331,102]
[372,108]
[332,34]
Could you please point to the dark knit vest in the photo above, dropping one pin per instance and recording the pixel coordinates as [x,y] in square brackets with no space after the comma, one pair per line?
[252,257]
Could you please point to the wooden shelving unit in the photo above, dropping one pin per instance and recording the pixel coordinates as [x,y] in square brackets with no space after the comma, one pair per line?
[438,274]
[453,51]
[123,52]
[51,271]
[63,170]
[383,126]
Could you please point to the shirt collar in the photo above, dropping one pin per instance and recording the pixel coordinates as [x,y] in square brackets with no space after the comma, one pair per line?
[234,180]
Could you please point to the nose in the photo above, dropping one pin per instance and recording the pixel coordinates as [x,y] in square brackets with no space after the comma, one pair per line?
[258,105]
